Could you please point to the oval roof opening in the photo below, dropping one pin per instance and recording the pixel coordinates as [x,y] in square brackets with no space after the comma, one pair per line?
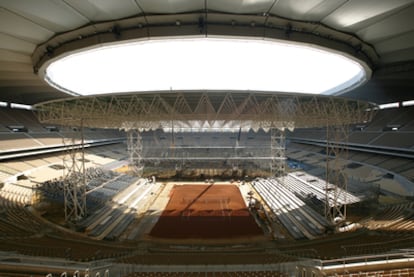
[206,64]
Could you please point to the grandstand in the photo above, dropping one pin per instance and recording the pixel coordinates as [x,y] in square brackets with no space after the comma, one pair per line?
[207,182]
[120,208]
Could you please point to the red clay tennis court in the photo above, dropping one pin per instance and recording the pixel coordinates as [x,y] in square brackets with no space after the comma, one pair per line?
[205,211]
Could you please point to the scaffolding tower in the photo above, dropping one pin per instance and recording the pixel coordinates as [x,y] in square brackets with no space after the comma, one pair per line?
[336,187]
[74,179]
[277,152]
[339,118]
[134,144]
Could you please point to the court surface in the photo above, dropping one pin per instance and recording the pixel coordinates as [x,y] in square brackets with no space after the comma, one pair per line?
[205,211]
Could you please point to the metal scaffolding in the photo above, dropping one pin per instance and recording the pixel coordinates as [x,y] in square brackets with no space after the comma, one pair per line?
[74,179]
[336,178]
[134,144]
[277,152]
[218,111]
[339,119]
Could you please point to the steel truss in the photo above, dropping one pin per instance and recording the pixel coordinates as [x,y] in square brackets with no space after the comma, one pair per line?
[218,111]
[277,152]
[199,110]
[336,154]
[74,180]
[339,119]
[134,143]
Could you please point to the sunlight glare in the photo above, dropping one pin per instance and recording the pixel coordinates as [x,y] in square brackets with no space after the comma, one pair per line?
[203,64]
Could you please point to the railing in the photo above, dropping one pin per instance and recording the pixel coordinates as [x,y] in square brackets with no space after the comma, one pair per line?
[366,260]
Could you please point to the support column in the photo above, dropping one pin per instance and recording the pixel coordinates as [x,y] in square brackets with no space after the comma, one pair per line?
[336,177]
[135,151]
[277,152]
[74,180]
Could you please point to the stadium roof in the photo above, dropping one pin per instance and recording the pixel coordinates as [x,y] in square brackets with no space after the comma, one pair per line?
[379,33]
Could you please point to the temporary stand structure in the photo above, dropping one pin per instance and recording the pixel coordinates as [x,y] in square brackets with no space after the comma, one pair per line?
[205,110]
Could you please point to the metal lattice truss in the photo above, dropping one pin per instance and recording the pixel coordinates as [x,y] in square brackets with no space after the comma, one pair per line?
[336,154]
[337,134]
[74,179]
[204,110]
[277,149]
[135,151]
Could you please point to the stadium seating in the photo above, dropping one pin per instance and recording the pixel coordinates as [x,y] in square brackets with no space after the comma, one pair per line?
[20,130]
[390,128]
[115,197]
[397,217]
[299,219]
[19,117]
[316,186]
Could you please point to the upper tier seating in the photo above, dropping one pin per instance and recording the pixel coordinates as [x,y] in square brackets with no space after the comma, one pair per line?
[20,130]
[390,128]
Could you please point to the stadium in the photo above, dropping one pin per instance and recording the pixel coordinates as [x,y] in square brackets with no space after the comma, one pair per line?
[206,138]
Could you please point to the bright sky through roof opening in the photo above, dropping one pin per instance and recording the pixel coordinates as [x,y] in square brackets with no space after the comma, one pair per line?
[211,64]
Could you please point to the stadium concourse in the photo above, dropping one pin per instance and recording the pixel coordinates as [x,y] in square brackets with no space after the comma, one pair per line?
[207,181]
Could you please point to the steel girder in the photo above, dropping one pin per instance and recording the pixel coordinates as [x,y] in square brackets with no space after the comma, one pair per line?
[204,110]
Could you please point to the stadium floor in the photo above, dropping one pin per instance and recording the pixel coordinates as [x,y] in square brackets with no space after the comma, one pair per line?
[205,212]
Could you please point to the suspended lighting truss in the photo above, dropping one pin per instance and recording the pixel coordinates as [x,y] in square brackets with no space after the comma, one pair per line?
[203,111]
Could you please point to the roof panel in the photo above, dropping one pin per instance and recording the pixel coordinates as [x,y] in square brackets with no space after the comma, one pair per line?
[15,67]
[56,16]
[357,14]
[104,10]
[243,7]
[396,24]
[11,56]
[398,56]
[15,25]
[14,44]
[401,42]
[22,83]
[8,75]
[29,95]
[309,10]
[170,6]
